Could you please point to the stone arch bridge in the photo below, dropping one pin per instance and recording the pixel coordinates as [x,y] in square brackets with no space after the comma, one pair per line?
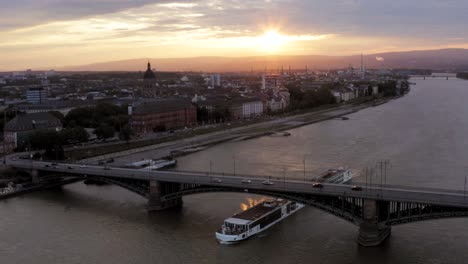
[374,209]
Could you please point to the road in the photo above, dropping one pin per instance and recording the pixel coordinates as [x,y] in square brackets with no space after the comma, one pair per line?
[378,192]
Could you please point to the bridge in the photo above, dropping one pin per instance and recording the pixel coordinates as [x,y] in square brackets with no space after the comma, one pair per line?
[373,208]
[435,75]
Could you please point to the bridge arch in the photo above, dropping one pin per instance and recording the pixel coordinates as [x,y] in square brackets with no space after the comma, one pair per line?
[137,187]
[341,207]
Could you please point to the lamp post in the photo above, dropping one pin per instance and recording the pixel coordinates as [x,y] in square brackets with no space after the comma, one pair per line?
[234,163]
[4,138]
[464,190]
[284,177]
[303,162]
[304,165]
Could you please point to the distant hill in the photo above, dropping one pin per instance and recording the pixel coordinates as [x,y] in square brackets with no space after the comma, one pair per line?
[443,60]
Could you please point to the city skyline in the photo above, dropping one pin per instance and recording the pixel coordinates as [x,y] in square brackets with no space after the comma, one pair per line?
[58,33]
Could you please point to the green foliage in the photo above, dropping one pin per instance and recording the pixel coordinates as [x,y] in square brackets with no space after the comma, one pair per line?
[74,135]
[8,115]
[58,115]
[125,133]
[221,113]
[218,114]
[104,131]
[462,75]
[203,115]
[110,114]
[47,139]
[311,98]
[388,88]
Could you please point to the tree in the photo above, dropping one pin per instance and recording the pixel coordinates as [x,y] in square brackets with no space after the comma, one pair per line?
[388,88]
[50,140]
[104,131]
[58,115]
[74,135]
[81,116]
[203,114]
[125,133]
[107,113]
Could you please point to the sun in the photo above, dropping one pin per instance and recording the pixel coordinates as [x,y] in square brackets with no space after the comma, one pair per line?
[271,41]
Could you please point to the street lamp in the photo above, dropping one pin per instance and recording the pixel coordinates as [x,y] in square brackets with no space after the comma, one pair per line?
[464,190]
[211,167]
[304,164]
[234,163]
[284,177]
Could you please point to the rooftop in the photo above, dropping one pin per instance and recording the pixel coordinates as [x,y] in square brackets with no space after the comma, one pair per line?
[259,210]
[161,106]
[25,122]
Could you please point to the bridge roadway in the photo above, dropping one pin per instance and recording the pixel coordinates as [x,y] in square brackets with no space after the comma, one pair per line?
[441,197]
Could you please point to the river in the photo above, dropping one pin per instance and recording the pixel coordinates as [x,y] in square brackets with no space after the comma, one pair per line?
[423,136]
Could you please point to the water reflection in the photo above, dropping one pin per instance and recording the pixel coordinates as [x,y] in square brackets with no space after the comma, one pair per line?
[424,135]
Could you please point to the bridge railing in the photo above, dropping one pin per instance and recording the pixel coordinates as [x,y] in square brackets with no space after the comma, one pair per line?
[251,176]
[313,179]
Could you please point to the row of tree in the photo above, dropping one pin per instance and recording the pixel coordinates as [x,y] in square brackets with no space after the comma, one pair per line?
[94,116]
[300,99]
[462,75]
[216,115]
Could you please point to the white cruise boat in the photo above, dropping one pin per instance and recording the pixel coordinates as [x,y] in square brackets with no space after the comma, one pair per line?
[255,220]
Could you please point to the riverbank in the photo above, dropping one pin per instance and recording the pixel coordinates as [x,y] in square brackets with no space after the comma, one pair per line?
[185,146]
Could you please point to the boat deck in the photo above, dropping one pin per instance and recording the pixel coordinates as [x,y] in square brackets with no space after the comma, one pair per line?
[259,210]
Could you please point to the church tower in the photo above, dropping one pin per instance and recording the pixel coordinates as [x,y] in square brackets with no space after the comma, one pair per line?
[150,89]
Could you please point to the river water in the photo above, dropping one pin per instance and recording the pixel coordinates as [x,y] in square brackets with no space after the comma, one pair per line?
[423,135]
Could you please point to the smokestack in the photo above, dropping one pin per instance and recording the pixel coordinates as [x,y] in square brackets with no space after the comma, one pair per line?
[263,82]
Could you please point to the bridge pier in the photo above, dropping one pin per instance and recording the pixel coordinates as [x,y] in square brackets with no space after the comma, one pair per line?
[157,190]
[373,230]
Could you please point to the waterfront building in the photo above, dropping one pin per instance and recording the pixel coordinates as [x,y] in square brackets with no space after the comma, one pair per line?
[162,115]
[275,96]
[19,129]
[246,108]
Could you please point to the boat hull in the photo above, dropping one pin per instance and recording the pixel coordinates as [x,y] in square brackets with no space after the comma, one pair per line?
[231,239]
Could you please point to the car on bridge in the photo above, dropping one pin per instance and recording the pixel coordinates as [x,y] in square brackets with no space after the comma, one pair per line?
[268,182]
[317,185]
[356,188]
[246,181]
[217,180]
[107,168]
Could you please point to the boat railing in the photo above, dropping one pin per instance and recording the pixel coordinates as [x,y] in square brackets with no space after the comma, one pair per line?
[231,232]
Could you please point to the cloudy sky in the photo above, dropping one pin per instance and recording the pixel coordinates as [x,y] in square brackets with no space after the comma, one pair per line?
[54,33]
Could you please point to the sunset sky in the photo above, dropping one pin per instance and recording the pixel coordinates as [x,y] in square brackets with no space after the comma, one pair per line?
[54,33]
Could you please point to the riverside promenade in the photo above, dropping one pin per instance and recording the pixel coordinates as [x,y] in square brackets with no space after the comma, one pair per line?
[190,144]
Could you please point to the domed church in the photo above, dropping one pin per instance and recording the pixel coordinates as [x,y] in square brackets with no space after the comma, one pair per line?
[150,86]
